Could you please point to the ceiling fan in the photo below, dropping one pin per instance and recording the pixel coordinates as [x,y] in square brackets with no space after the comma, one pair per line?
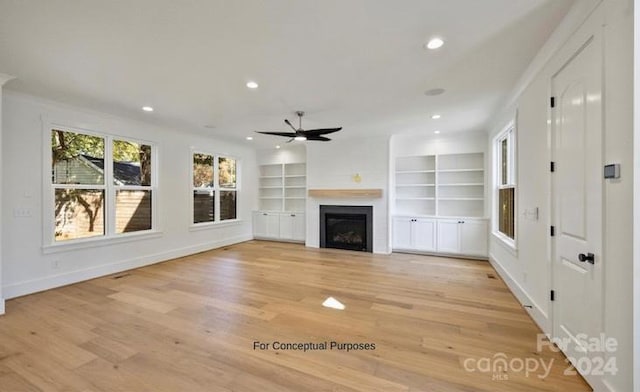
[301,134]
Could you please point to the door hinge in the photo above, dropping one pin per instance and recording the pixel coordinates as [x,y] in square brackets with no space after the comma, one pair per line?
[552,167]
[553,102]
[553,295]
[553,231]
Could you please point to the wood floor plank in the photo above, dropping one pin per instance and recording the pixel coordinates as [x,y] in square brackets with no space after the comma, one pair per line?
[190,324]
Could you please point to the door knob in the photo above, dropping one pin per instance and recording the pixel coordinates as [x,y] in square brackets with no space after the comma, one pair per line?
[589,257]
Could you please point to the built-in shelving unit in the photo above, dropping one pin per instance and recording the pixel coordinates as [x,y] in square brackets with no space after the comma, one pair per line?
[283,187]
[440,185]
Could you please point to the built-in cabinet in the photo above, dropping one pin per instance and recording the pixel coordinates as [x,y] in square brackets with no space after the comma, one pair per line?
[414,233]
[284,226]
[439,204]
[466,236]
[282,193]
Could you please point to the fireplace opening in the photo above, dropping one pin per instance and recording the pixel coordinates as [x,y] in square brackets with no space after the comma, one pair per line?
[346,227]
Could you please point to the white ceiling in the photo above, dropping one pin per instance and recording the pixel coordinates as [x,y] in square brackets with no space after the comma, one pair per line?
[355,63]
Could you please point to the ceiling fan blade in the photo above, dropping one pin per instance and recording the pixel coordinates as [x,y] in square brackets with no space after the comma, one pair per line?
[290,140]
[323,131]
[285,134]
[289,124]
[318,138]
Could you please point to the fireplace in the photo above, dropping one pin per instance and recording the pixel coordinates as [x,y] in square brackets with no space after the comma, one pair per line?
[346,227]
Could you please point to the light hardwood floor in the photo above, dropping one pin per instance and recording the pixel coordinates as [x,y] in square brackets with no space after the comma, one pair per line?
[190,324]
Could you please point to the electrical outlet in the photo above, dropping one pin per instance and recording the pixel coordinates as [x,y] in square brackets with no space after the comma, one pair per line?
[22,212]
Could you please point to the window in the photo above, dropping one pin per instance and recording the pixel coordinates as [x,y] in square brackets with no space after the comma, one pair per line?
[89,201]
[214,188]
[506,184]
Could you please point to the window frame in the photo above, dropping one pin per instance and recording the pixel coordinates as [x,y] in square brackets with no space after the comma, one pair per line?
[508,133]
[50,245]
[216,189]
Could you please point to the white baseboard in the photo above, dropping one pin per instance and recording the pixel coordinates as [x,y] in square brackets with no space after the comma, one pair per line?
[1,306]
[537,314]
[50,282]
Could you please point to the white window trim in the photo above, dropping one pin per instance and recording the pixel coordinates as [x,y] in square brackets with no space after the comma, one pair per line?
[110,236]
[216,189]
[509,131]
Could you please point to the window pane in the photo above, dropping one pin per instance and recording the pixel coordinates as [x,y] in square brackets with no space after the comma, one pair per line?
[227,205]
[227,172]
[202,171]
[133,211]
[506,212]
[203,205]
[76,158]
[79,213]
[504,162]
[131,163]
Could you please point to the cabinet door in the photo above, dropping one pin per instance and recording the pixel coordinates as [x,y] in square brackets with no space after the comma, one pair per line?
[259,224]
[273,225]
[402,233]
[449,236]
[299,227]
[474,237]
[286,226]
[423,234]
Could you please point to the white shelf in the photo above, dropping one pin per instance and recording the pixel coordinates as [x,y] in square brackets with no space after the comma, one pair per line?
[440,185]
[462,198]
[459,170]
[464,184]
[282,187]
[414,171]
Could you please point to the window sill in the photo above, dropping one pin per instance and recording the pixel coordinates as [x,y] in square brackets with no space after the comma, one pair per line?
[101,241]
[506,242]
[215,225]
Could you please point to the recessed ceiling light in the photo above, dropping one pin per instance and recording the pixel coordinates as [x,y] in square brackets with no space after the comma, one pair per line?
[147,108]
[278,146]
[434,91]
[300,138]
[436,116]
[249,137]
[252,84]
[436,132]
[434,43]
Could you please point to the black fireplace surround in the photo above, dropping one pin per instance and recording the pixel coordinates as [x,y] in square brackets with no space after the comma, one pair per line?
[346,227]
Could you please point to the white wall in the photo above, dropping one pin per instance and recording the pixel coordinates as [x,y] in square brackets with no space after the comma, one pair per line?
[295,153]
[3,79]
[333,166]
[27,268]
[528,270]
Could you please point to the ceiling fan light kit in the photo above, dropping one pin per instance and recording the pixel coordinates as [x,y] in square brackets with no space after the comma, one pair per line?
[300,134]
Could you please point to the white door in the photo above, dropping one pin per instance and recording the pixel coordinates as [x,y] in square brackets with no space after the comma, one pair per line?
[402,232]
[423,233]
[473,237]
[577,197]
[448,236]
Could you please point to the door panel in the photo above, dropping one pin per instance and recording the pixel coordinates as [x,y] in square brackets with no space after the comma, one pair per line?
[473,237]
[448,236]
[423,232]
[402,233]
[577,197]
